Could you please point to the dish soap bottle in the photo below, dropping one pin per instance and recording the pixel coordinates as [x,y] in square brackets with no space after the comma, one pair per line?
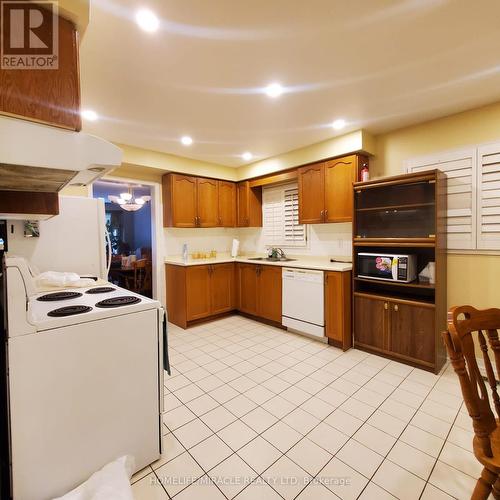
[185,253]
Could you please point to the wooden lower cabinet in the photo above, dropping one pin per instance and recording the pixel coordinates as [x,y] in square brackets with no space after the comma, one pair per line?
[411,331]
[198,292]
[269,293]
[338,324]
[404,330]
[259,291]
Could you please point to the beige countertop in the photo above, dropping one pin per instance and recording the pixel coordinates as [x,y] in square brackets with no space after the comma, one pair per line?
[301,262]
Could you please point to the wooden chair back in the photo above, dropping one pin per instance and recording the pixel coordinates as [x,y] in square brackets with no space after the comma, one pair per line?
[142,275]
[465,323]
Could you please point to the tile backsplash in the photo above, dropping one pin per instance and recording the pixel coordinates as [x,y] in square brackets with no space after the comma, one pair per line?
[322,240]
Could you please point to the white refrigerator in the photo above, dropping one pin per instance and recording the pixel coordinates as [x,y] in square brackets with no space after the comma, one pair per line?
[73,241]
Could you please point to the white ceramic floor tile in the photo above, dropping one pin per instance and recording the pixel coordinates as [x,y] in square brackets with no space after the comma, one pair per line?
[301,420]
[374,492]
[286,477]
[177,417]
[218,418]
[461,459]
[318,408]
[433,493]
[192,433]
[311,457]
[237,434]
[328,438]
[259,490]
[375,439]
[259,394]
[202,488]
[202,404]
[259,419]
[423,441]
[316,491]
[452,481]
[282,436]
[360,458]
[412,460]
[344,422]
[179,473]
[343,480]
[278,406]
[210,452]
[240,405]
[188,393]
[171,449]
[398,481]
[259,454]
[357,408]
[149,488]
[387,423]
[232,475]
[223,393]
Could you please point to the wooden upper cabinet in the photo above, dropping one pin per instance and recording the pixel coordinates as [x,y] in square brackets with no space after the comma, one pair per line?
[179,200]
[325,189]
[339,177]
[198,304]
[269,293]
[311,194]
[338,308]
[249,201]
[227,204]
[222,288]
[206,202]
[50,96]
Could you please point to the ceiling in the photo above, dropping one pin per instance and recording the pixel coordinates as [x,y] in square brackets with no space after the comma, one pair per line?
[379,64]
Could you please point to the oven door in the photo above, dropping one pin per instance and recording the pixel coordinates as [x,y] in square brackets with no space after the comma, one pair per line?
[377,266]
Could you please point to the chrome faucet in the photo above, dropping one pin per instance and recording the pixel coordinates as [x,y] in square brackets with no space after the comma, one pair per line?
[276,253]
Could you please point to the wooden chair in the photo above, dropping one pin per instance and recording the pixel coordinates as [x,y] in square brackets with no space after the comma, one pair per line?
[142,277]
[463,322]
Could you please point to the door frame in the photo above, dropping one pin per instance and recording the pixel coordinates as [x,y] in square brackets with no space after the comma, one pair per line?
[157,246]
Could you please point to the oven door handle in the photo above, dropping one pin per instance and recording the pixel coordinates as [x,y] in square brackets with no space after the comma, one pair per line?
[166,361]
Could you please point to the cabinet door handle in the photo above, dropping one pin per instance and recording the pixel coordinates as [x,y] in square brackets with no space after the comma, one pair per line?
[396,308]
[326,214]
[386,306]
[322,215]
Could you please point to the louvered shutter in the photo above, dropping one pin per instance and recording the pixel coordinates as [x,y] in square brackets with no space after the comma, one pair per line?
[460,170]
[280,210]
[488,197]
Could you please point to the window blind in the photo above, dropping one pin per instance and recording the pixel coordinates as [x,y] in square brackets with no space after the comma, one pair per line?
[460,170]
[488,197]
[280,209]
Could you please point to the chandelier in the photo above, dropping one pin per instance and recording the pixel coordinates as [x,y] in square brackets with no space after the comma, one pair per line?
[128,201]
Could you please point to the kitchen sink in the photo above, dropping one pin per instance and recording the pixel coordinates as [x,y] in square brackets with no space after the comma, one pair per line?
[270,259]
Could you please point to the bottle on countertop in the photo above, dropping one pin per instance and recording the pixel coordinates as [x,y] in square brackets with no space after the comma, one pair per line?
[185,252]
[365,173]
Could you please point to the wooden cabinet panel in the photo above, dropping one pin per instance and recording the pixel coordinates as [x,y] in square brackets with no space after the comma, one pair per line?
[339,176]
[227,204]
[269,293]
[207,202]
[247,293]
[222,288]
[412,331]
[311,194]
[338,308]
[197,292]
[370,321]
[179,200]
[249,201]
[49,96]
[175,277]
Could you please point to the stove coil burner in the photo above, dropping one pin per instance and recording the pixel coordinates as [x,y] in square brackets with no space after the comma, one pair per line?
[125,300]
[69,311]
[59,296]
[101,289]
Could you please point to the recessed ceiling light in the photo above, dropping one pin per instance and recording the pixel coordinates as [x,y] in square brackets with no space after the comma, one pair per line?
[186,140]
[90,115]
[338,124]
[247,156]
[274,90]
[147,20]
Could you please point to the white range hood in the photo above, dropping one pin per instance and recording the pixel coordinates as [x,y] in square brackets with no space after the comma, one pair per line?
[35,157]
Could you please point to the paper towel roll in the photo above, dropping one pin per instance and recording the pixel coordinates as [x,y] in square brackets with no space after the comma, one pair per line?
[235,248]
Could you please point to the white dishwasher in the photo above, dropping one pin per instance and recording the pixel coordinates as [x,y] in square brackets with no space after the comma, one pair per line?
[303,301]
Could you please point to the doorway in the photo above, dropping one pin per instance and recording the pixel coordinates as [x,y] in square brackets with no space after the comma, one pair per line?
[129,222]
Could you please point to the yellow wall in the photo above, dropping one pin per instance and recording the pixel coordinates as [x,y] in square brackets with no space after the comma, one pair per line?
[359,140]
[472,279]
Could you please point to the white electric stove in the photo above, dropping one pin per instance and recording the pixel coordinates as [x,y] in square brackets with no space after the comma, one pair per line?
[85,378]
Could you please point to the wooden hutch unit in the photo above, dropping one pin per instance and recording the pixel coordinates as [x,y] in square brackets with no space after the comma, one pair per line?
[404,214]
